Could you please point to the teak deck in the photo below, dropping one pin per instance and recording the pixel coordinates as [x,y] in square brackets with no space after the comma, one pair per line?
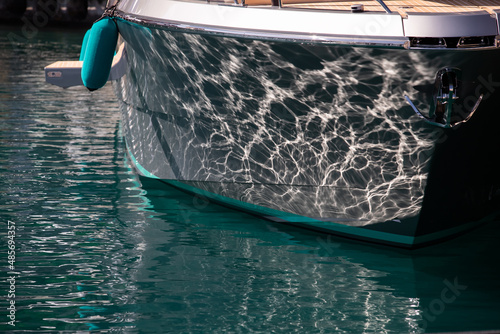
[402,7]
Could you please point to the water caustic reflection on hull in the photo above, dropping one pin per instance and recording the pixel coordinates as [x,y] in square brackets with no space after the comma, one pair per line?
[316,131]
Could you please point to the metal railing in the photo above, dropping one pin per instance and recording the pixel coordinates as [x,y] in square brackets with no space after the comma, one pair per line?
[279,3]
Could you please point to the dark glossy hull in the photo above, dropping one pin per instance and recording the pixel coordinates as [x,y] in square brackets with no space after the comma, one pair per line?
[315,135]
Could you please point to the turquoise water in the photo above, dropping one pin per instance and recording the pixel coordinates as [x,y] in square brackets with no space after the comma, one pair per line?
[95,248]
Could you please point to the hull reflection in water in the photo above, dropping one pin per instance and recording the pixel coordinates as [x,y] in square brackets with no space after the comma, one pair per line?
[316,135]
[248,273]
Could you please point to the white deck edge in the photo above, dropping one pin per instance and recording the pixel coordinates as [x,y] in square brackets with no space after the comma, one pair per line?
[316,24]
[288,21]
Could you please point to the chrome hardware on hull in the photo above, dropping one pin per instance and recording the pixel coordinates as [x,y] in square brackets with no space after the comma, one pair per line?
[440,113]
